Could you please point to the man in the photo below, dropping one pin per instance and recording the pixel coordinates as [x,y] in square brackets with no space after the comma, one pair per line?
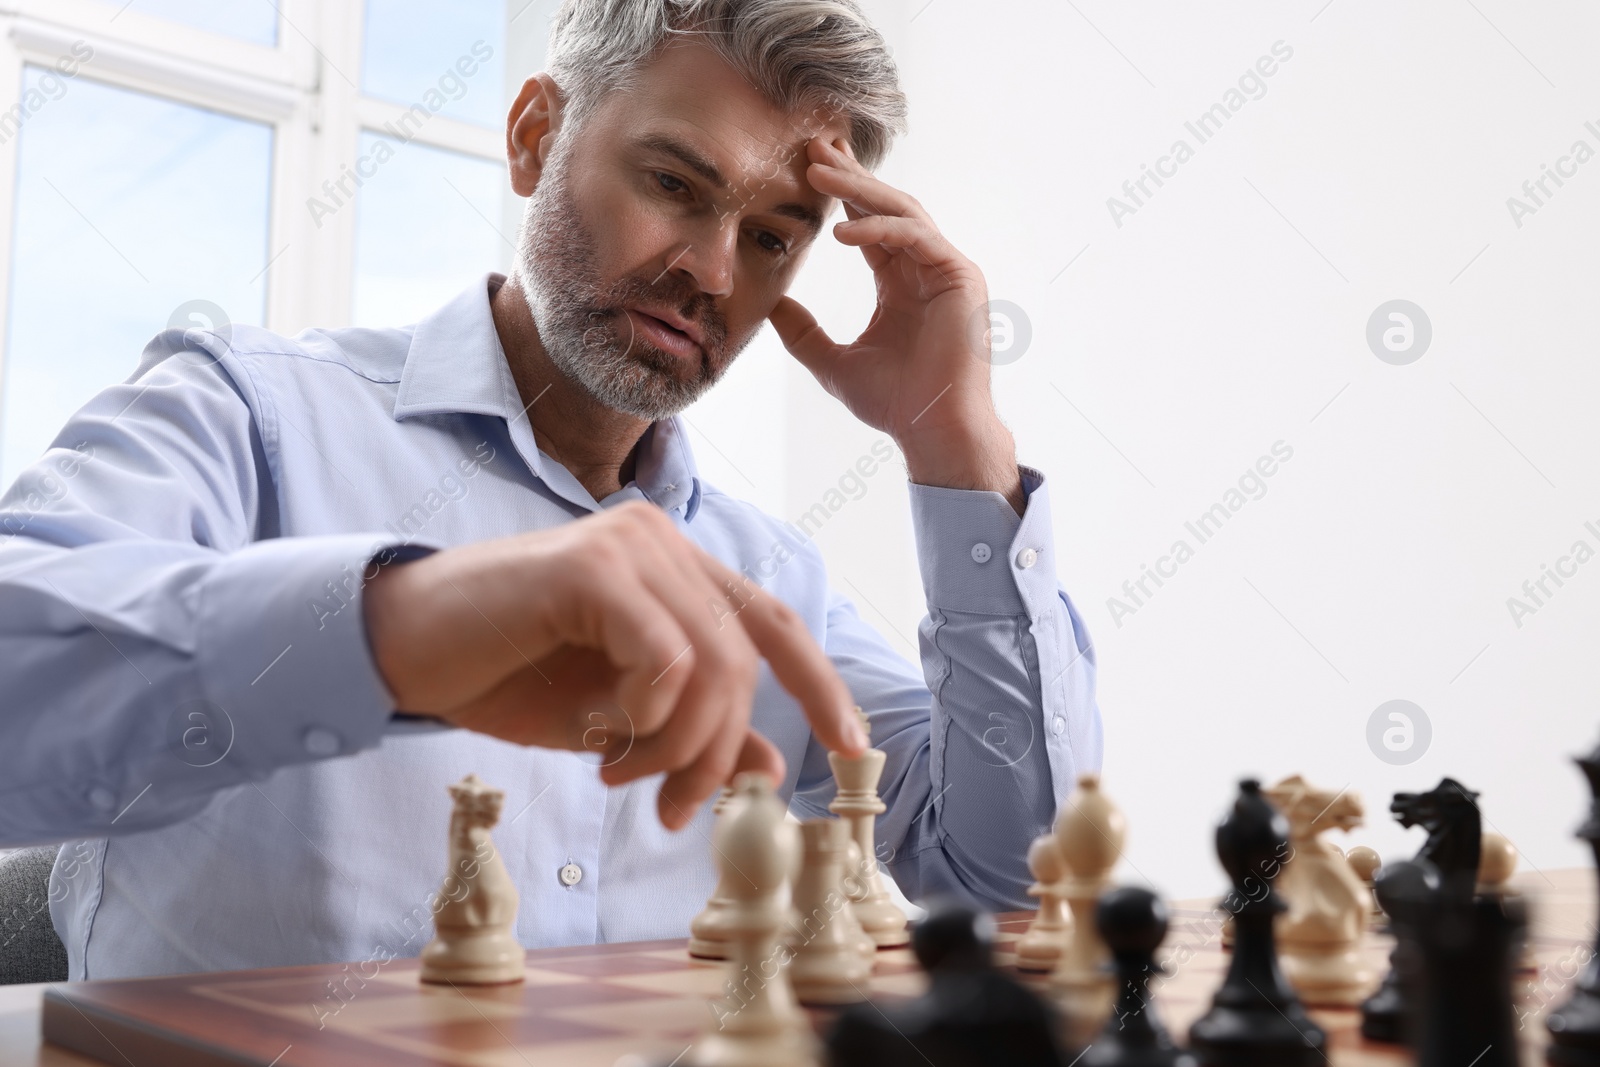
[247,591]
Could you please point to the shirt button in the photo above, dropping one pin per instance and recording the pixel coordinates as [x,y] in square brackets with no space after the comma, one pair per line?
[320,741]
[1059,726]
[570,875]
[981,553]
[1027,558]
[102,798]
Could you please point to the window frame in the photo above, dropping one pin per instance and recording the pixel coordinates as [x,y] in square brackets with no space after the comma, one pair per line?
[306,88]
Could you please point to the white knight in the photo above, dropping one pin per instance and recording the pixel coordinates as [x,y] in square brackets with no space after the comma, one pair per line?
[1320,936]
[474,942]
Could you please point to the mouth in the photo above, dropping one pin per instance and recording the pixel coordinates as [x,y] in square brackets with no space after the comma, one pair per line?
[669,332]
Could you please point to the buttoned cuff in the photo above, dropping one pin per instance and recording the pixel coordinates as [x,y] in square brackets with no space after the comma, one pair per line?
[283,649]
[978,555]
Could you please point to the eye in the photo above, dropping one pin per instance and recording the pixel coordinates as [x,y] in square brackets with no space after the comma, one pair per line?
[777,247]
[667,182]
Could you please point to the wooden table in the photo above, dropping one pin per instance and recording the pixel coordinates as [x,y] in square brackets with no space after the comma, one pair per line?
[19,1031]
[653,990]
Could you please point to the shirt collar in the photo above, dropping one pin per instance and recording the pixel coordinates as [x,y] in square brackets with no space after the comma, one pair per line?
[455,364]
[665,471]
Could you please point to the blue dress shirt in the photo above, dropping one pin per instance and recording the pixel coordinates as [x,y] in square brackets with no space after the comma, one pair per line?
[190,702]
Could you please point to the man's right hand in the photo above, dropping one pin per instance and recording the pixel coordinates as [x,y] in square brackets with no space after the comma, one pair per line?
[610,633]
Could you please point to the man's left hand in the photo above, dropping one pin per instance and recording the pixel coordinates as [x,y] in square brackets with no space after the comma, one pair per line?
[920,370]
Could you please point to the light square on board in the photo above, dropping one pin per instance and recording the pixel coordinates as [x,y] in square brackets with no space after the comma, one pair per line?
[387,1012]
[695,983]
[664,1017]
[299,991]
[485,1035]
[607,966]
[595,1052]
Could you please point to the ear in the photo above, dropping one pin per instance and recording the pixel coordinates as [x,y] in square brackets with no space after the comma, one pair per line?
[530,131]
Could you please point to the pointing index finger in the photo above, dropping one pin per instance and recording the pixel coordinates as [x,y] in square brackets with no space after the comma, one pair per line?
[797,661]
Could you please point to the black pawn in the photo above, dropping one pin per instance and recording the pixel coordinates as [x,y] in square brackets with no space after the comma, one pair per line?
[953,939]
[1132,922]
[1402,890]
[1255,1019]
[971,1016]
[1575,1026]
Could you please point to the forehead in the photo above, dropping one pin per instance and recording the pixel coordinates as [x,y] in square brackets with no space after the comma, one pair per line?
[691,93]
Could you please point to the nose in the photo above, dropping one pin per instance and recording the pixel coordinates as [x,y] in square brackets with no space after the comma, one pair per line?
[708,257]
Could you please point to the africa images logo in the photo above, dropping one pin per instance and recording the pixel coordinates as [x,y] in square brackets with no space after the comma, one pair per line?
[1399,732]
[1399,332]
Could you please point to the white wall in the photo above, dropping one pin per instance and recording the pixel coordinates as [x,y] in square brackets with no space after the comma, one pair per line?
[1224,316]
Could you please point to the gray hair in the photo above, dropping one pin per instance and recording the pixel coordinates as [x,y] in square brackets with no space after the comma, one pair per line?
[820,54]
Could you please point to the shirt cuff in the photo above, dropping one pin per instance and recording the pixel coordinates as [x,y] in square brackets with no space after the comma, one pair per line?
[283,649]
[978,555]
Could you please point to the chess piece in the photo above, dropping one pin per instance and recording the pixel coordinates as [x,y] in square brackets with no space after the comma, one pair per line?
[1497,862]
[1320,937]
[1365,862]
[971,1015]
[1496,865]
[1255,1017]
[1089,832]
[1460,994]
[1449,813]
[474,942]
[758,1023]
[1575,1026]
[857,800]
[1132,922]
[855,887]
[708,934]
[1455,833]
[1040,948]
[827,966]
[1399,890]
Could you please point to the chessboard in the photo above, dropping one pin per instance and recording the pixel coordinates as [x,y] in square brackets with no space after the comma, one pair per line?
[641,1003]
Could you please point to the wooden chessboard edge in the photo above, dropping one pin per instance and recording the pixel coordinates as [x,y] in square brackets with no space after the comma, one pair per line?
[109,1037]
[102,1023]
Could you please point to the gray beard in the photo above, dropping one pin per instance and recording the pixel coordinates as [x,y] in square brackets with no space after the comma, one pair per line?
[580,320]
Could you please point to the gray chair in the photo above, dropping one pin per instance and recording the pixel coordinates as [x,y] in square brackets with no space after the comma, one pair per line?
[30,951]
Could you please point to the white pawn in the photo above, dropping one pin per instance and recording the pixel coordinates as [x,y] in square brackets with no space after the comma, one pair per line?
[1497,862]
[708,935]
[857,800]
[1365,862]
[1320,937]
[1090,832]
[1040,948]
[473,941]
[828,966]
[758,1023]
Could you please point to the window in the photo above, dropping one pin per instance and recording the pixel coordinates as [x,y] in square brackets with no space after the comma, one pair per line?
[424,230]
[158,152]
[248,20]
[456,48]
[105,252]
